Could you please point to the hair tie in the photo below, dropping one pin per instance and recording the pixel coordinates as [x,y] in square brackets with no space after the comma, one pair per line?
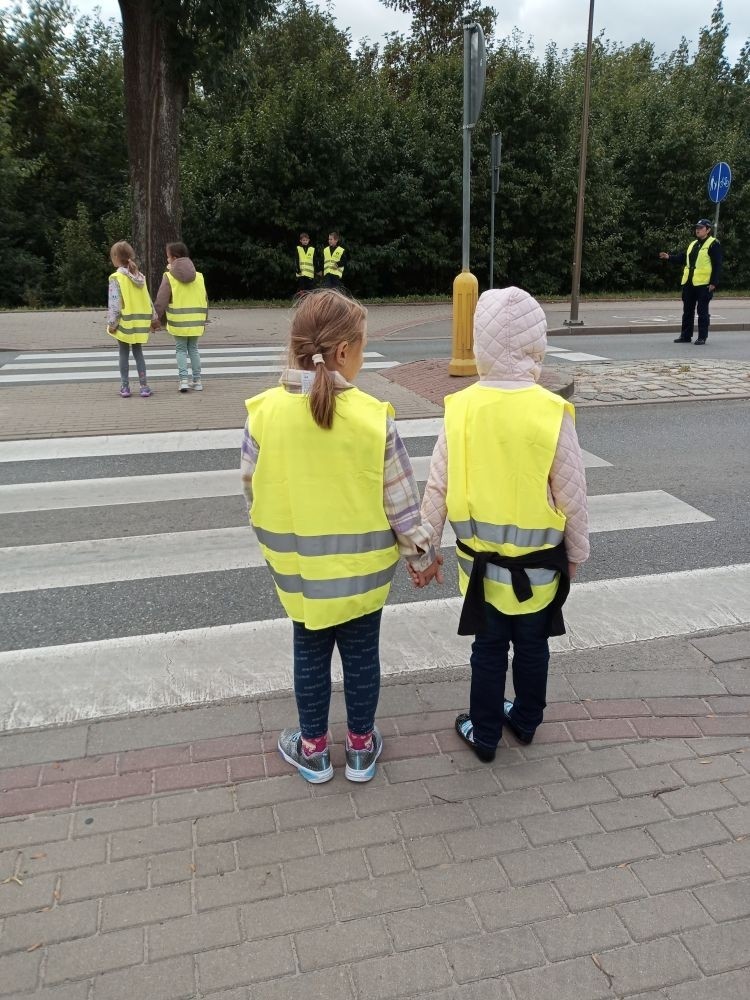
[317,359]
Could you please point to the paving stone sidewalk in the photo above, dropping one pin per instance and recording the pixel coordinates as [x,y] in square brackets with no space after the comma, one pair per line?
[600,862]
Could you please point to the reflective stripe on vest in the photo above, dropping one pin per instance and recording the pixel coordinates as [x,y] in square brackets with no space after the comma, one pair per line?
[331,262]
[703,268]
[134,324]
[188,307]
[501,445]
[305,262]
[317,511]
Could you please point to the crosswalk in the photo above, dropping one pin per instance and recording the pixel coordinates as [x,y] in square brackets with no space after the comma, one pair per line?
[92,366]
[126,586]
[565,354]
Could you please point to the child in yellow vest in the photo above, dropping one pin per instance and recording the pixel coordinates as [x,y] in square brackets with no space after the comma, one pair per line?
[333,502]
[182,306]
[129,315]
[508,473]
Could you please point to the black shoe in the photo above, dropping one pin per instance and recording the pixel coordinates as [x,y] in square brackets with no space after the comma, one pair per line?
[465,730]
[683,340]
[520,734]
[701,340]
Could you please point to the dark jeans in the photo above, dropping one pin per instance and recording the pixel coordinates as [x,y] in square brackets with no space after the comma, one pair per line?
[358,641]
[489,665]
[333,281]
[305,285]
[140,362]
[693,296]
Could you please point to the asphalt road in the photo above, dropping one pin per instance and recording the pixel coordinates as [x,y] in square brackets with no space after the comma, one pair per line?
[697,452]
[434,341]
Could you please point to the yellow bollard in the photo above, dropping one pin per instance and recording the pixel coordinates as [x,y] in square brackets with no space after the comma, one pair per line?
[465,295]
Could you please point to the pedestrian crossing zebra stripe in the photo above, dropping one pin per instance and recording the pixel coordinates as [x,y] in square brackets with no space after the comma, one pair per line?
[59,684]
[87,376]
[43,449]
[119,490]
[142,557]
[162,358]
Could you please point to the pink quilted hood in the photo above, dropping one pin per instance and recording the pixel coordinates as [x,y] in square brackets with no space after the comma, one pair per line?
[510,336]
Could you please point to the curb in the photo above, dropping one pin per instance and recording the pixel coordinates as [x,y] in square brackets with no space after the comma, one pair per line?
[598,331]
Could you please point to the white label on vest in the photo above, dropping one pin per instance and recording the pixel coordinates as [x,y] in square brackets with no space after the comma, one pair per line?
[306,381]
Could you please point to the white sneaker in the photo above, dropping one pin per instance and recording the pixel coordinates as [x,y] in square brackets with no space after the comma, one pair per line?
[197,385]
[184,385]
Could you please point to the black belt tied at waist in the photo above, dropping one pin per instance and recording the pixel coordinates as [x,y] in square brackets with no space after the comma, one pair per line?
[473,620]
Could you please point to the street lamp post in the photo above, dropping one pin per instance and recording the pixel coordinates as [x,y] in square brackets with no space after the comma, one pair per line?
[578,241]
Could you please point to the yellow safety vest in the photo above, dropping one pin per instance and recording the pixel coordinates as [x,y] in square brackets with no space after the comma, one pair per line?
[318,505]
[306,265]
[188,307]
[134,324]
[331,262]
[501,444]
[702,272]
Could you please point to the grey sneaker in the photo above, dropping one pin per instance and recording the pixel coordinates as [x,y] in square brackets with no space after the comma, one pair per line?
[197,384]
[360,764]
[316,768]
[184,385]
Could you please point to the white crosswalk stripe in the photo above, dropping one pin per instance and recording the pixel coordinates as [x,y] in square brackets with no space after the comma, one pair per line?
[157,666]
[91,366]
[565,354]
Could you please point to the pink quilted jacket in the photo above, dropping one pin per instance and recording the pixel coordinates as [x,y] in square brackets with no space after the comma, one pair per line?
[510,338]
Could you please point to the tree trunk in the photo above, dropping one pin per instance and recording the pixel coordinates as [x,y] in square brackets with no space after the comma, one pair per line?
[154,101]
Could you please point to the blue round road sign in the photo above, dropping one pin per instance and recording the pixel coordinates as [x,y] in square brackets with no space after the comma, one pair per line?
[718,182]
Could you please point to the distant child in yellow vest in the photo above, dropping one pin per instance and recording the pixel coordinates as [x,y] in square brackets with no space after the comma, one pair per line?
[305,265]
[129,315]
[333,502]
[182,306]
[508,473]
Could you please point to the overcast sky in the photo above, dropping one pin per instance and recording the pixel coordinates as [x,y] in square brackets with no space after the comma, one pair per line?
[562,21]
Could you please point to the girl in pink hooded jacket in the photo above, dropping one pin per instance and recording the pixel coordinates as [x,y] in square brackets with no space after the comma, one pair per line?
[508,472]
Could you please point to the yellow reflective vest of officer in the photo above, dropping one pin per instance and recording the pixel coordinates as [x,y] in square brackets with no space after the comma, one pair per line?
[501,445]
[331,262]
[188,307]
[318,505]
[134,324]
[703,267]
[305,262]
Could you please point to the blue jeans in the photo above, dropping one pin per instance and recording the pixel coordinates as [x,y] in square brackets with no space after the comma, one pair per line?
[489,665]
[358,641]
[184,346]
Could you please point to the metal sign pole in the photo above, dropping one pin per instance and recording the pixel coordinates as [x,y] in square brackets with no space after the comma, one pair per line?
[716,220]
[578,240]
[495,153]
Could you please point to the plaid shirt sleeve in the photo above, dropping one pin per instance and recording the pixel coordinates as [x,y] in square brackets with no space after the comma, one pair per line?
[401,503]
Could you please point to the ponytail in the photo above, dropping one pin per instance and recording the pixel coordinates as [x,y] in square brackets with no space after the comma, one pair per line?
[322,395]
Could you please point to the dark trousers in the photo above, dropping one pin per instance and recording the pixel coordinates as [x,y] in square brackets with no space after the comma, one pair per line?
[305,285]
[489,665]
[333,281]
[140,362]
[692,296]
[358,641]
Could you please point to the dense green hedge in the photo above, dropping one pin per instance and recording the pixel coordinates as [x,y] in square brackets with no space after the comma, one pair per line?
[300,132]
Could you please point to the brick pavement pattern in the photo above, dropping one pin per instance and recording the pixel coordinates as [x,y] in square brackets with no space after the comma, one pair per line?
[599,862]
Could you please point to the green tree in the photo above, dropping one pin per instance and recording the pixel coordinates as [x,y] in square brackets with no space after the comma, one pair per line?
[167,44]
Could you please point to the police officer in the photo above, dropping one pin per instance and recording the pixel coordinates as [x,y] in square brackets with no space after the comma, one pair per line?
[700,277]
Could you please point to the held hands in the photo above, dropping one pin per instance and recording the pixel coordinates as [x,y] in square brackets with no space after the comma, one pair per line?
[663,256]
[421,578]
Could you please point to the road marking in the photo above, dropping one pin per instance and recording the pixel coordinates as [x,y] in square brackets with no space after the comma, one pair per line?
[223,370]
[61,684]
[111,362]
[115,490]
[579,356]
[183,553]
